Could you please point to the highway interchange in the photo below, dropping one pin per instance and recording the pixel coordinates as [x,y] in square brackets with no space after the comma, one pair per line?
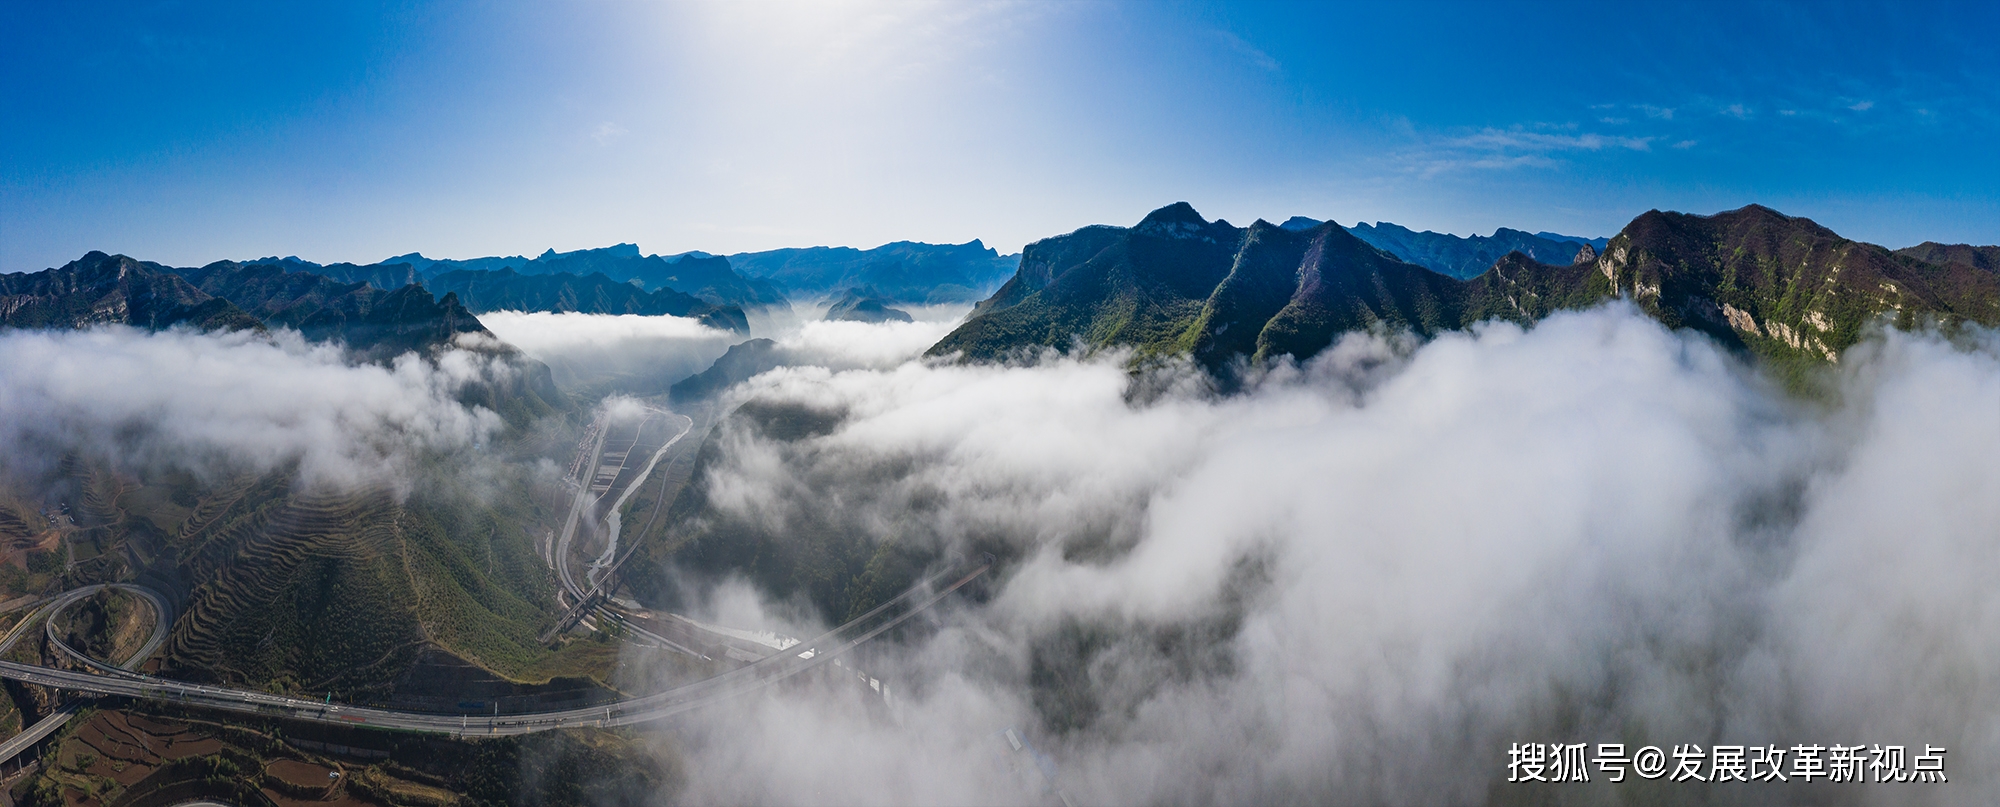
[793,659]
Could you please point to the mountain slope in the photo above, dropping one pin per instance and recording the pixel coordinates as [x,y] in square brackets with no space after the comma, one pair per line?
[1987,258]
[107,289]
[381,325]
[1141,287]
[1344,284]
[864,305]
[376,323]
[1781,286]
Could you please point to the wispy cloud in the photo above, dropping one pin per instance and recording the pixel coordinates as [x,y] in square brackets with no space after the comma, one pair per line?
[1540,141]
[1255,54]
[1862,106]
[1520,147]
[607,132]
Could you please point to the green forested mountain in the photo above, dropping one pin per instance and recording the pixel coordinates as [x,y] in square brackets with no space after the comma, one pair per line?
[1176,283]
[102,289]
[1782,286]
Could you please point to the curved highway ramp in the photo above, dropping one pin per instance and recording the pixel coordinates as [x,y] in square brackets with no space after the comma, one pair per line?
[759,674]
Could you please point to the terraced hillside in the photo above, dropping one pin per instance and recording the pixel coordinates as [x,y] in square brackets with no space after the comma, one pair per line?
[341,593]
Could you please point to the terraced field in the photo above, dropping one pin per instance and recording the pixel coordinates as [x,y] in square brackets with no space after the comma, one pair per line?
[309,593]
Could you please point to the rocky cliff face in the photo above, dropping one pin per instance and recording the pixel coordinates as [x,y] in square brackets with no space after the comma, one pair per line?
[1785,286]
[102,289]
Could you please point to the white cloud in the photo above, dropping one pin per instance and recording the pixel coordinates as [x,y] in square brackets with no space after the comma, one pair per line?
[849,345]
[1362,579]
[233,402]
[1501,149]
[607,132]
[583,349]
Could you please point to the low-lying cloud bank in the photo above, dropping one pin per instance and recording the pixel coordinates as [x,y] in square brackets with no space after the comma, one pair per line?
[590,349]
[227,403]
[646,354]
[1362,580]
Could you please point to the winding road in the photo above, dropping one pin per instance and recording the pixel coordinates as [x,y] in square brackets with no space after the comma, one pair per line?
[757,675]
[162,617]
[120,680]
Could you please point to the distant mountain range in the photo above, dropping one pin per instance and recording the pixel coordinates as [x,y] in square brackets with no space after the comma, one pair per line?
[1467,257]
[114,289]
[100,289]
[905,271]
[1177,284]
[506,290]
[706,277]
[377,323]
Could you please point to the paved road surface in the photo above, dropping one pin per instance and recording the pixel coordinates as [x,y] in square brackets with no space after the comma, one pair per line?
[755,676]
[163,616]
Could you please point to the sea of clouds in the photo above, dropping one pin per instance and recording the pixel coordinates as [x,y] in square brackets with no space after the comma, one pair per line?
[219,404]
[1359,580]
[1363,579]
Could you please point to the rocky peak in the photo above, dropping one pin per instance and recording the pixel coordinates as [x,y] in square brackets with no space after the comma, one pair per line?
[1177,220]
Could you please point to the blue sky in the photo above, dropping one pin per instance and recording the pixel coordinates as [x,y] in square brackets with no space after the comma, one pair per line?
[353,131]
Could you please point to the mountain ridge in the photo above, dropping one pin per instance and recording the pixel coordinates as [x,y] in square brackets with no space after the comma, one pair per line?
[1782,287]
[484,290]
[114,289]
